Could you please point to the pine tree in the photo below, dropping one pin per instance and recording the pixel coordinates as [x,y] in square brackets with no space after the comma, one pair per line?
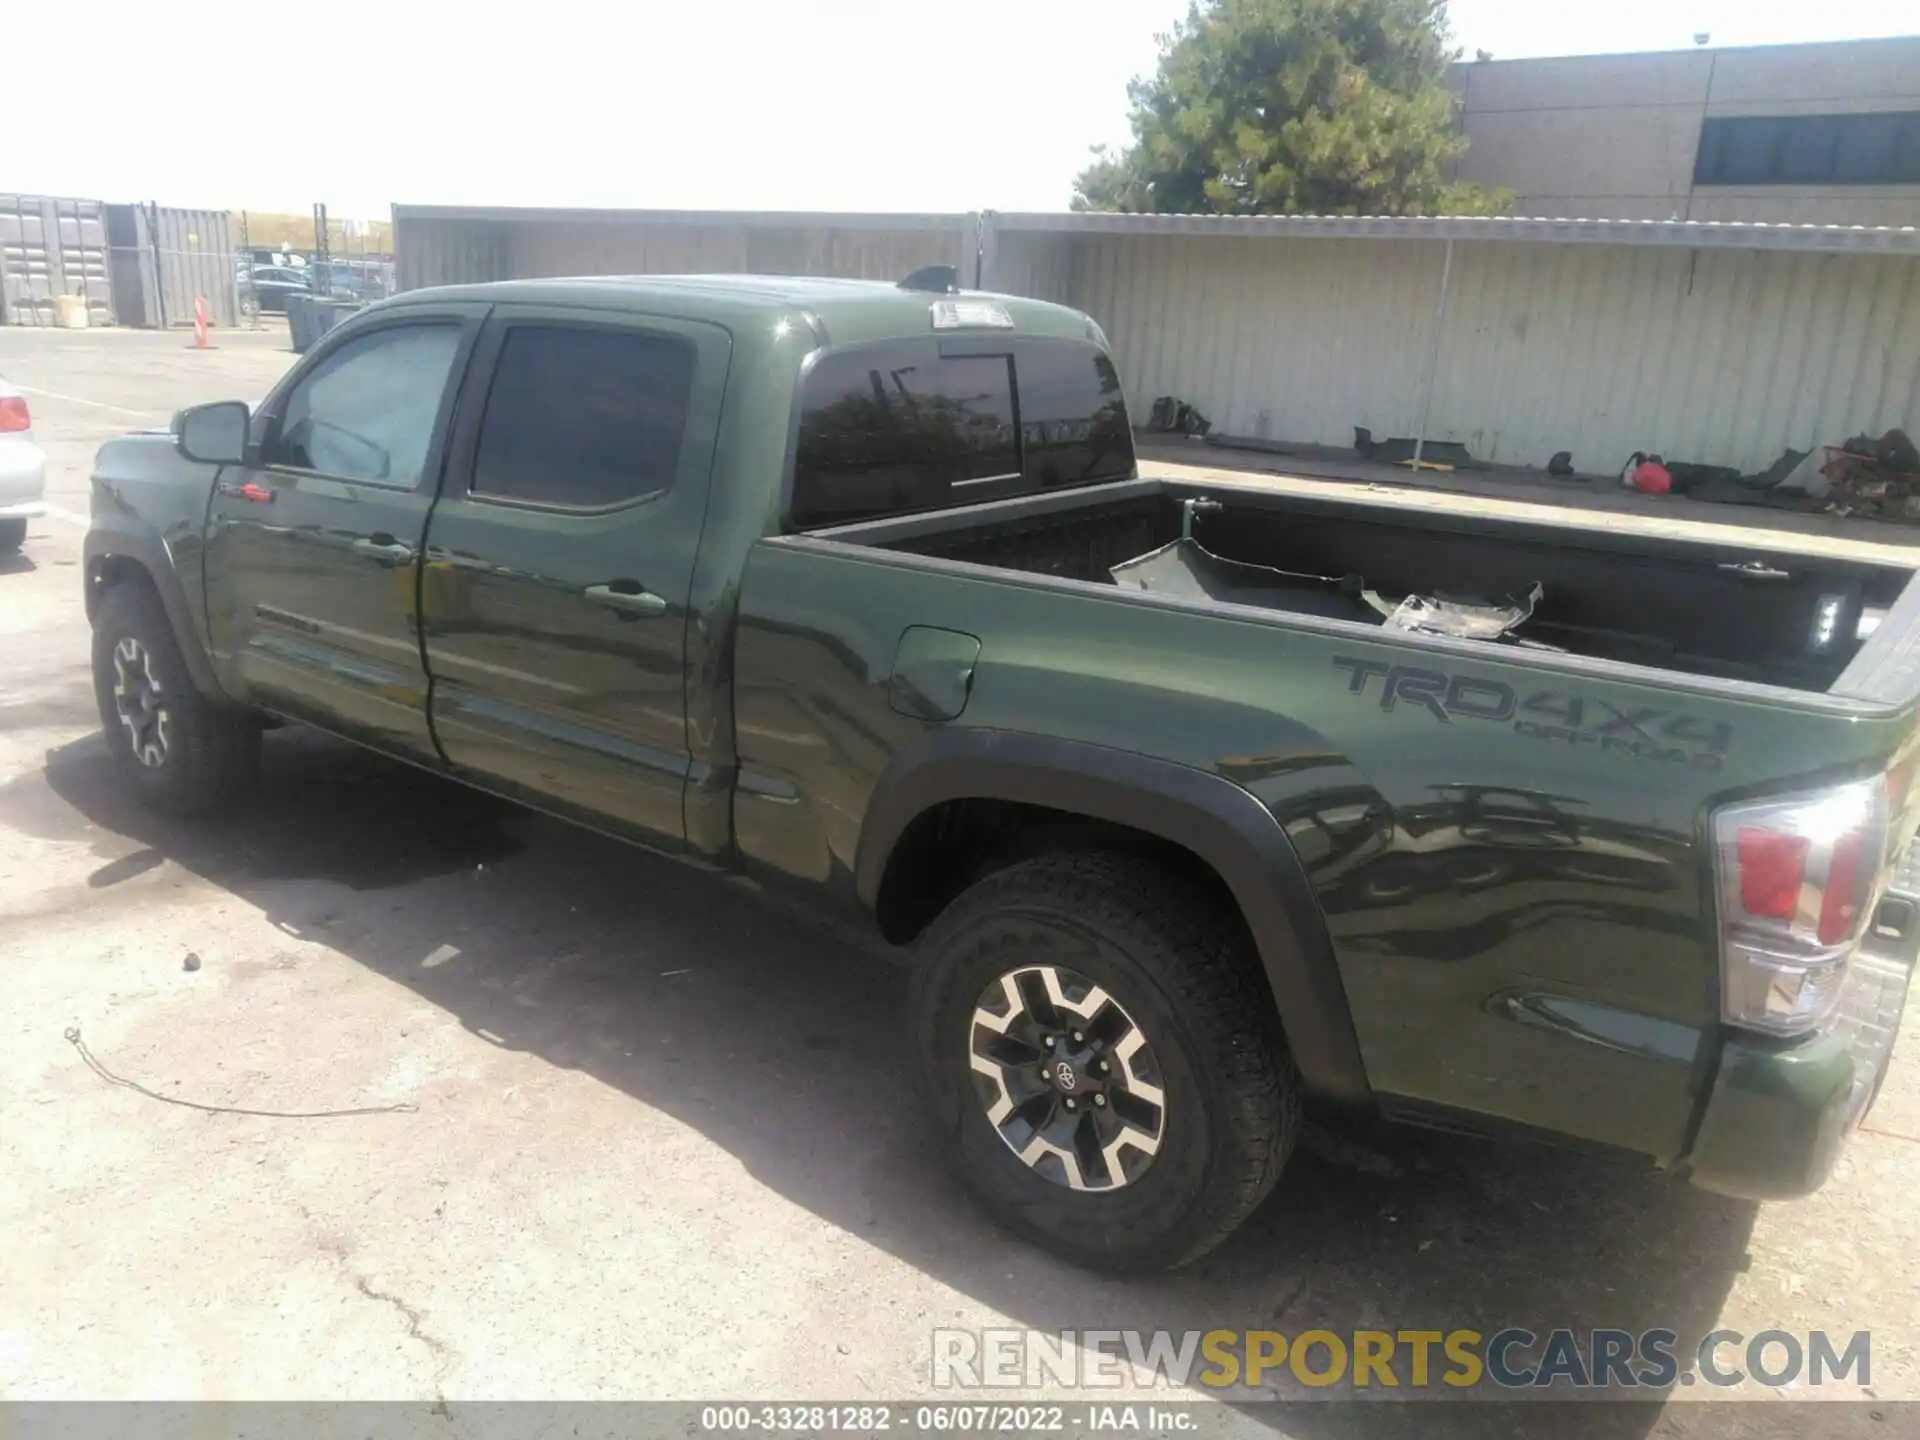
[1320,107]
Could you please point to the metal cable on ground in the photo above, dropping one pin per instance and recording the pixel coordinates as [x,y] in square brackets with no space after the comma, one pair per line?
[93,1064]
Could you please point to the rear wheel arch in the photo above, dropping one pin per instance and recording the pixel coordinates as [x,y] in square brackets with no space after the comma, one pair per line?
[958,804]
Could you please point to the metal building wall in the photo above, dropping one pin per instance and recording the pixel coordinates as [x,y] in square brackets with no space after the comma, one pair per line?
[437,246]
[1717,355]
[435,250]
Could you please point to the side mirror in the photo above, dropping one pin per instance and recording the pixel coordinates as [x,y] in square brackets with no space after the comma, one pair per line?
[213,434]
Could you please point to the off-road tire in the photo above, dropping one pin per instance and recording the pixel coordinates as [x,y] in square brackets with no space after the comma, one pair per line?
[1162,948]
[212,750]
[13,534]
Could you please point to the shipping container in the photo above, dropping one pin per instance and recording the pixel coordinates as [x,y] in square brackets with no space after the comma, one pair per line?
[52,246]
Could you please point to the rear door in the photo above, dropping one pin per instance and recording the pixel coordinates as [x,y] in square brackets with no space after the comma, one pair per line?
[560,557]
[311,550]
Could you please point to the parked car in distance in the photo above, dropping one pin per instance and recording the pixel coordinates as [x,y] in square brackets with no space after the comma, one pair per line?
[266,287]
[23,469]
[1186,805]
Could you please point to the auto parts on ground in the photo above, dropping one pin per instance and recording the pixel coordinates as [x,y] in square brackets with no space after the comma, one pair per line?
[1648,474]
[1400,449]
[1173,416]
[1874,478]
[1561,465]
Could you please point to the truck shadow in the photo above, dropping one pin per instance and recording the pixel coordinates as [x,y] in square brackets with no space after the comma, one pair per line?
[782,1044]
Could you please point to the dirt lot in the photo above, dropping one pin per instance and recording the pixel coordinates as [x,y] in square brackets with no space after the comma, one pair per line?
[658,1139]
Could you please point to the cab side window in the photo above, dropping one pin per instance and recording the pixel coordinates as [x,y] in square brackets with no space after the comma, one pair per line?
[367,411]
[581,417]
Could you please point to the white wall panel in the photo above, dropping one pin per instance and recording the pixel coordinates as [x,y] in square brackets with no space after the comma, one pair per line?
[1716,355]
[445,246]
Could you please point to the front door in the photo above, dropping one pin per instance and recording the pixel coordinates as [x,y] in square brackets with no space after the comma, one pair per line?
[312,550]
[559,560]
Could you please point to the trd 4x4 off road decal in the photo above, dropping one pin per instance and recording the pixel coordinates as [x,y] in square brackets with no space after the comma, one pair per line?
[1561,716]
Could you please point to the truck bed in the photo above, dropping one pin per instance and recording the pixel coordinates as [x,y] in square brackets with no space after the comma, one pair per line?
[1724,610]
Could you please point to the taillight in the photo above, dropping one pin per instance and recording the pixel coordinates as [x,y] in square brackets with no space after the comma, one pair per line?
[13,414]
[1796,878]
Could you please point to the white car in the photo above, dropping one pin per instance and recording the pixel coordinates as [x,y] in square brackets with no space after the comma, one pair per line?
[23,470]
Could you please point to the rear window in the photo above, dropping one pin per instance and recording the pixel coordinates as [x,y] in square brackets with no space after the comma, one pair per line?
[922,424]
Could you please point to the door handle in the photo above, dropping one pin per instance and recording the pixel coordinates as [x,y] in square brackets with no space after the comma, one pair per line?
[385,549]
[628,597]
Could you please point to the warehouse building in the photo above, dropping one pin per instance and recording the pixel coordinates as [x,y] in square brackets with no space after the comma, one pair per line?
[1801,134]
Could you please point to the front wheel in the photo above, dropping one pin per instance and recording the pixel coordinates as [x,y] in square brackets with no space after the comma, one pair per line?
[1101,1049]
[13,534]
[179,751]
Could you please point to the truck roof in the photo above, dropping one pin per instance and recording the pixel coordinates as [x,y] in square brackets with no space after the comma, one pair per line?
[851,310]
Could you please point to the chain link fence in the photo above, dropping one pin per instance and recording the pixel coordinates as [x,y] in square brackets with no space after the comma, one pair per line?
[68,263]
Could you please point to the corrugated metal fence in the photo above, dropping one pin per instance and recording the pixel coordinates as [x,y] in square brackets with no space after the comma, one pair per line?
[140,265]
[439,246]
[1707,352]
[168,258]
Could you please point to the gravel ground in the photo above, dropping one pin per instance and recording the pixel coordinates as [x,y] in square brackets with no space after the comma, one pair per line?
[628,1131]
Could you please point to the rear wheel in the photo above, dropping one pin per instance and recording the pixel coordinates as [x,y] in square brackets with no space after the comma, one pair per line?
[178,750]
[1102,1050]
[13,534]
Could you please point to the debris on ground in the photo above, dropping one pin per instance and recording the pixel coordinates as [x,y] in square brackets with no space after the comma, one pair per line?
[92,1062]
[1249,442]
[1877,479]
[1399,450]
[1173,416]
[1872,477]
[1646,473]
[191,963]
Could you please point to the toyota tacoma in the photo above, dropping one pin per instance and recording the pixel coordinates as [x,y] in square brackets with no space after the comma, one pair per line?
[1188,804]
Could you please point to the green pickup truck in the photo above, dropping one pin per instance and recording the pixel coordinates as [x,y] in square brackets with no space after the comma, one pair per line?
[1188,805]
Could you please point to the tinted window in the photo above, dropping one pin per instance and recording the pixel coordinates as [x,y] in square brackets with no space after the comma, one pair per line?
[895,427]
[891,428]
[366,412]
[1073,422]
[1868,148]
[1881,149]
[583,417]
[1807,150]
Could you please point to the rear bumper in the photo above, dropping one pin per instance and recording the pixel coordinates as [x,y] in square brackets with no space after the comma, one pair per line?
[1778,1114]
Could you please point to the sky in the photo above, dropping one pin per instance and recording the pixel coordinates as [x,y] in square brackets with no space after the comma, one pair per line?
[717,104]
